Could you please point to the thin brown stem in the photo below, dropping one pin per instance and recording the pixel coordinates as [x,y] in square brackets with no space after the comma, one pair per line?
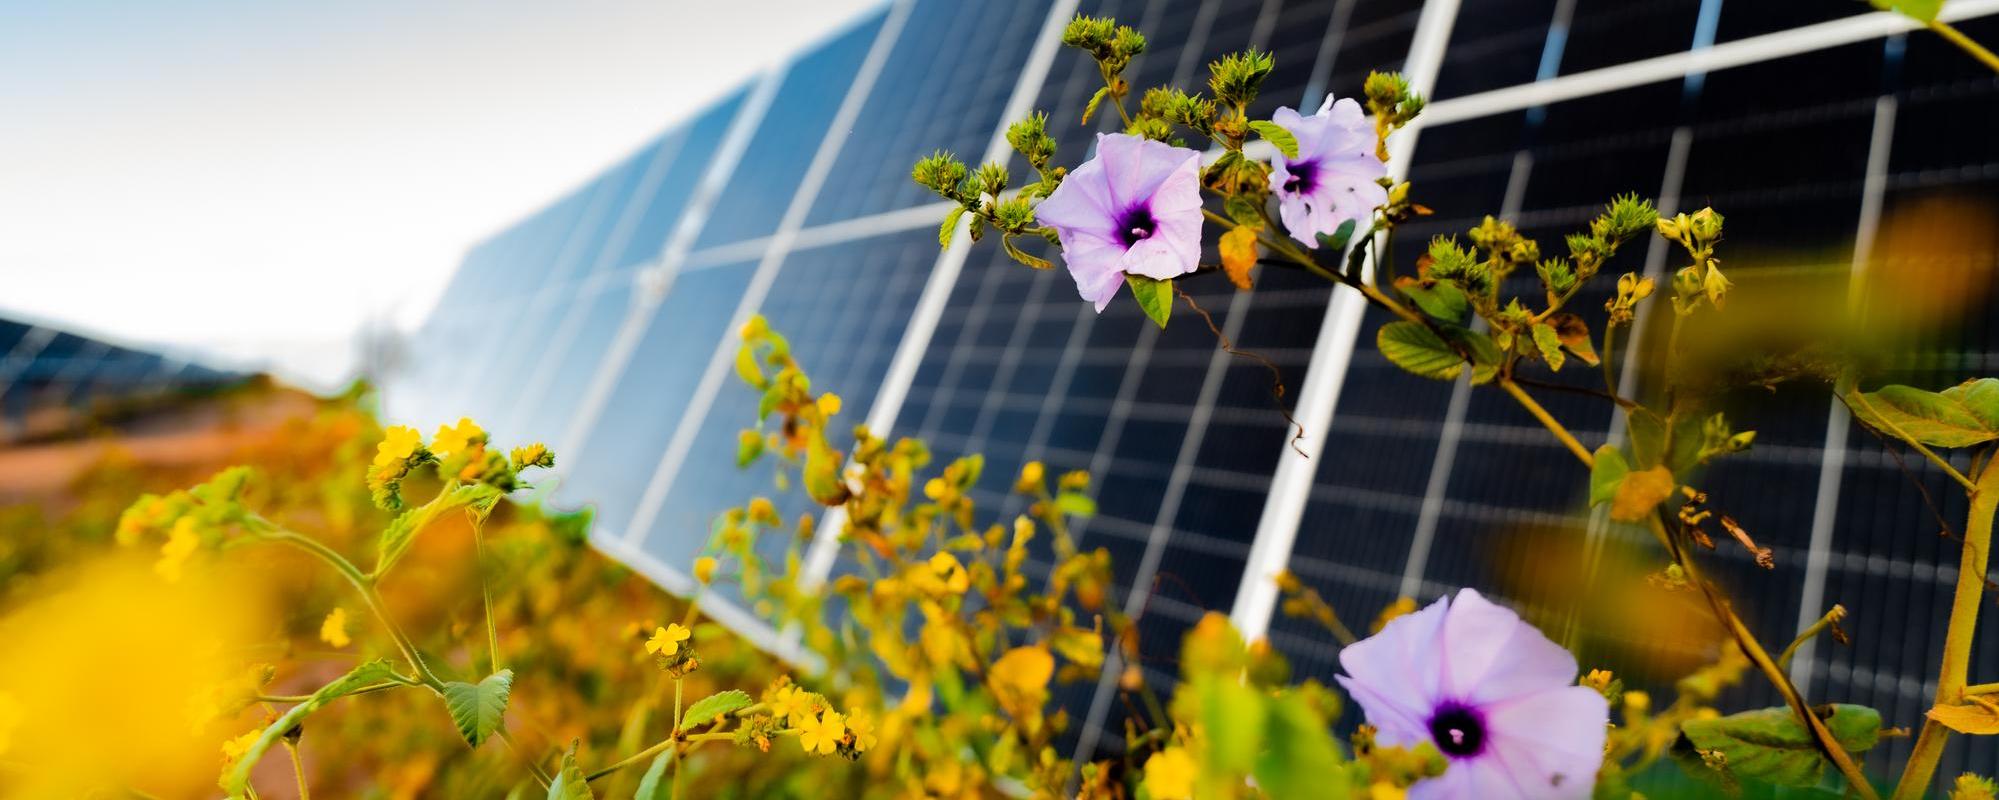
[1967,44]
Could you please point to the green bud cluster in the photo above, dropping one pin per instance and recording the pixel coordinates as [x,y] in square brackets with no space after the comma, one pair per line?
[1177,107]
[1236,77]
[941,172]
[1450,261]
[1029,137]
[1390,100]
[1111,44]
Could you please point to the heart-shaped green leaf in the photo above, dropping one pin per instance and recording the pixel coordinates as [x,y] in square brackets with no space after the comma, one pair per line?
[478,709]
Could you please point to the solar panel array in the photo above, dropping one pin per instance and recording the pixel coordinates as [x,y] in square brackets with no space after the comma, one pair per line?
[52,380]
[606,321]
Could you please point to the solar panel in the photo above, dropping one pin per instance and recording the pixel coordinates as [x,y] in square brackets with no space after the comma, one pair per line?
[1420,486]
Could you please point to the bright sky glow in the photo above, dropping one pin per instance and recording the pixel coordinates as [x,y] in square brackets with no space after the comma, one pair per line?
[263,179]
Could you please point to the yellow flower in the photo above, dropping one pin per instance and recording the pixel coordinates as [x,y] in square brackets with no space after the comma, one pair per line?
[950,572]
[704,569]
[1383,790]
[234,749]
[10,718]
[793,705]
[829,404]
[1020,679]
[456,439]
[863,727]
[822,734]
[182,541]
[666,641]
[1169,775]
[334,630]
[763,512]
[1032,477]
[399,442]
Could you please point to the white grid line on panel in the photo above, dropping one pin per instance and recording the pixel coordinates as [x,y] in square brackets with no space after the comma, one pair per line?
[766,271]
[1825,507]
[543,373]
[1740,52]
[531,305]
[1291,485]
[943,275]
[653,282]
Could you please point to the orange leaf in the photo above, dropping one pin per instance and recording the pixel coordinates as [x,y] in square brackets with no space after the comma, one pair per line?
[1976,718]
[1641,492]
[1238,248]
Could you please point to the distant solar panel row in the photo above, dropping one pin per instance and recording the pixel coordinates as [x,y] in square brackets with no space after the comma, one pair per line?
[605,322]
[50,380]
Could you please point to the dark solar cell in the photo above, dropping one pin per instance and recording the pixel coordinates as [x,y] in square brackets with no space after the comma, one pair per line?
[942,88]
[612,465]
[1494,44]
[842,307]
[762,185]
[1604,33]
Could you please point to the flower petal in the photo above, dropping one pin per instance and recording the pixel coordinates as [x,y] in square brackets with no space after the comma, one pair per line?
[1492,655]
[1551,742]
[1399,667]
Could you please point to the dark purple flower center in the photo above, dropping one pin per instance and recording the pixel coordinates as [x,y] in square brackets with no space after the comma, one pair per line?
[1136,225]
[1304,176]
[1458,729]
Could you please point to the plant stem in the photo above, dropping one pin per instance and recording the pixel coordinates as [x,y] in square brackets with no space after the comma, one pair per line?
[1953,676]
[298,770]
[1981,689]
[1784,658]
[1548,421]
[1724,612]
[366,588]
[1609,356]
[1965,43]
[533,768]
[300,698]
[486,593]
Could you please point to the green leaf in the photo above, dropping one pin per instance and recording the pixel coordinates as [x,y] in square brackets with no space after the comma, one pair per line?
[478,709]
[1091,109]
[570,783]
[655,786]
[1414,347]
[1607,474]
[1155,297]
[1233,715]
[1299,759]
[706,709]
[1485,355]
[1244,211]
[237,781]
[477,498]
[1924,11]
[949,227]
[1276,134]
[1648,438]
[1771,745]
[1960,416]
[1006,243]
[1550,345]
[1075,504]
[1443,300]
[1336,242]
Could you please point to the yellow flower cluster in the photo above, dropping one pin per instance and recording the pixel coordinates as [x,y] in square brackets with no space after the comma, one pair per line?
[333,630]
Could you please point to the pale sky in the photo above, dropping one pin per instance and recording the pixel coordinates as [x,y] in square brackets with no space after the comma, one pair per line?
[263,177]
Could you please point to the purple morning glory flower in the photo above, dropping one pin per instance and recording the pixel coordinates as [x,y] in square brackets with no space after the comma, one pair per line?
[1333,178]
[1135,208]
[1496,697]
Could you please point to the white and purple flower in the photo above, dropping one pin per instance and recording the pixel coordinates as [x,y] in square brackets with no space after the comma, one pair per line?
[1134,209]
[1494,695]
[1333,179]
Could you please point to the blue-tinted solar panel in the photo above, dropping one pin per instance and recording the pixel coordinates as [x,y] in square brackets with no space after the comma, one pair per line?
[692,153]
[762,186]
[843,307]
[942,88]
[618,456]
